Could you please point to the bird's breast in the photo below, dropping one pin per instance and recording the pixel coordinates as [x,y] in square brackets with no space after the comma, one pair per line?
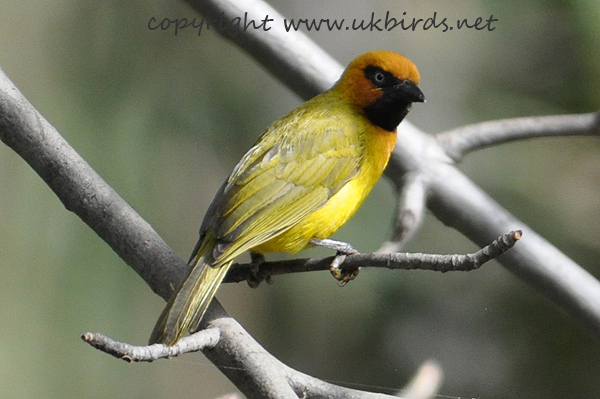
[375,150]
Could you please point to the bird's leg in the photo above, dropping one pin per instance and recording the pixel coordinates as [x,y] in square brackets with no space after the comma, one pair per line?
[342,249]
[256,260]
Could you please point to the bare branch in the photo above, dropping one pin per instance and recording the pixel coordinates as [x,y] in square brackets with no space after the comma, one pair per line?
[394,261]
[244,361]
[458,142]
[240,357]
[207,338]
[307,387]
[459,203]
[410,208]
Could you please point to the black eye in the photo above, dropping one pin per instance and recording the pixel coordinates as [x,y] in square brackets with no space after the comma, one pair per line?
[379,77]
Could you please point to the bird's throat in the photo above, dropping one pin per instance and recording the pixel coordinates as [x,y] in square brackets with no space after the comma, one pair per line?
[387,113]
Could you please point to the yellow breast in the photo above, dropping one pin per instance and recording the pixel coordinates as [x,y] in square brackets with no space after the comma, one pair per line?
[376,146]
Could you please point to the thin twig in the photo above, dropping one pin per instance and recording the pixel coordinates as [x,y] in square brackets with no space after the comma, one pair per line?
[131,353]
[458,142]
[394,261]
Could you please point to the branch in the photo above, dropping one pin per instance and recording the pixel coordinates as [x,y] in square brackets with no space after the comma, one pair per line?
[394,261]
[249,357]
[205,339]
[208,338]
[458,142]
[459,203]
[252,363]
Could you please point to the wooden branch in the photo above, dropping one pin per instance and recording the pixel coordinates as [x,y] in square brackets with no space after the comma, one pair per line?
[394,261]
[85,193]
[204,339]
[459,142]
[459,203]
[247,358]
[239,272]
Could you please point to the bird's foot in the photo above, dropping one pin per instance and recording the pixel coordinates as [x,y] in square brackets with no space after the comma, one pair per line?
[342,250]
[254,279]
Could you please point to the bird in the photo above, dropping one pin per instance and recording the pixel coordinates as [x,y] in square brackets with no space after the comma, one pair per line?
[305,176]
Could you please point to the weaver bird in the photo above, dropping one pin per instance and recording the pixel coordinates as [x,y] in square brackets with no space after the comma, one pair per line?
[301,181]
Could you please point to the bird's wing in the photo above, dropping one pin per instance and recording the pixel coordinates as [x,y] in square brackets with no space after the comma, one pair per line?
[290,173]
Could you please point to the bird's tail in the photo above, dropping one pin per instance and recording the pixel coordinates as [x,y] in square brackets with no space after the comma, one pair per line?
[188,304]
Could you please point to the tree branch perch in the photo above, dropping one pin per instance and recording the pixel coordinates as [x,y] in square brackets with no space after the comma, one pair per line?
[459,142]
[240,272]
[393,261]
[204,339]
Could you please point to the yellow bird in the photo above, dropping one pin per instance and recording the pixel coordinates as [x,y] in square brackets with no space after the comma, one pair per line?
[301,181]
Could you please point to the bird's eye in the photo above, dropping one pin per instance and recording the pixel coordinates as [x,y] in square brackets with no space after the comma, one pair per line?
[379,77]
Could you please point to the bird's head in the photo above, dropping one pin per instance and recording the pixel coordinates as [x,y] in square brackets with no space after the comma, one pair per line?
[383,84]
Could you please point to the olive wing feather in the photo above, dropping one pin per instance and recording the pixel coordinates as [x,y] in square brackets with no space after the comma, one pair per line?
[276,185]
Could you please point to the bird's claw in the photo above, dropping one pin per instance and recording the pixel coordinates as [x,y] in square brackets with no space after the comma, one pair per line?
[254,279]
[342,276]
[342,250]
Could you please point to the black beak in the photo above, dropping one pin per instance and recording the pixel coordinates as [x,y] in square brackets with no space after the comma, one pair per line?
[407,91]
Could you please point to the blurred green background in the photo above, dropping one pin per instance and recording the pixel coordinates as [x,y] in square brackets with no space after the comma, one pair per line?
[163,119]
